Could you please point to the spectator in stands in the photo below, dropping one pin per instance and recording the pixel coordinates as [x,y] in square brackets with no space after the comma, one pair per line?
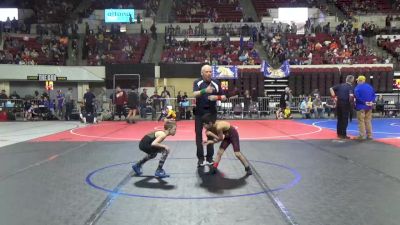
[330,107]
[143,103]
[132,101]
[14,95]
[27,106]
[318,108]
[3,94]
[315,93]
[32,112]
[60,103]
[184,97]
[284,101]
[130,18]
[36,95]
[343,93]
[156,104]
[365,97]
[359,39]
[69,103]
[165,95]
[7,25]
[388,24]
[153,30]
[88,99]
[247,102]
[179,98]
[120,99]
[179,102]
[138,20]
[304,109]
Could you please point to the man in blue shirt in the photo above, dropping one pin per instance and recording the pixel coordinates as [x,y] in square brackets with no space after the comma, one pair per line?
[343,93]
[365,97]
[206,91]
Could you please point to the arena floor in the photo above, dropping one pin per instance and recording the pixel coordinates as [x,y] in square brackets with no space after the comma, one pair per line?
[66,173]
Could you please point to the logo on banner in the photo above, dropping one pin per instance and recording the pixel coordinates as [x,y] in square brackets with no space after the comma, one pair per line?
[224,72]
[270,72]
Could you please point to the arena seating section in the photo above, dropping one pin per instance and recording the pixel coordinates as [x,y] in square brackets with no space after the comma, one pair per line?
[352,7]
[50,51]
[148,5]
[110,50]
[203,10]
[198,52]
[299,49]
[49,11]
[390,46]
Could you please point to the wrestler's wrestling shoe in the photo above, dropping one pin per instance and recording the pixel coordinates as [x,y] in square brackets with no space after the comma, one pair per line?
[161,174]
[137,169]
[248,171]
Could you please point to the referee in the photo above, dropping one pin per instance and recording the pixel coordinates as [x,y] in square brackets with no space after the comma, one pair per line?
[206,91]
[343,93]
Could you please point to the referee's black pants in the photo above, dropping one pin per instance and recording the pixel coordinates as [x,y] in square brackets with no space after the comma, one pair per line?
[342,112]
[89,107]
[199,140]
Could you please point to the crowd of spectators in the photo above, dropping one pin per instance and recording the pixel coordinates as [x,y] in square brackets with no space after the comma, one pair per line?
[150,6]
[319,45]
[111,48]
[358,7]
[391,44]
[49,11]
[221,51]
[27,50]
[207,10]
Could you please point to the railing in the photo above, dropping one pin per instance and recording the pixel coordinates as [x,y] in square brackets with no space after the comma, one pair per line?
[14,105]
[237,108]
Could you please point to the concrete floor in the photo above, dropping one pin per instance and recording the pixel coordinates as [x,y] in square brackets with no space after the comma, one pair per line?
[321,182]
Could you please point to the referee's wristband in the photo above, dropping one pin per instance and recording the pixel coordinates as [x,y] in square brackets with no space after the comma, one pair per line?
[202,91]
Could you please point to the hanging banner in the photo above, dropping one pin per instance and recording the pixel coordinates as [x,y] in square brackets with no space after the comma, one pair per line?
[224,72]
[49,85]
[270,72]
[396,83]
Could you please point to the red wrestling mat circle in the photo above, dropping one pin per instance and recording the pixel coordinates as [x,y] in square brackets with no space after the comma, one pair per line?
[248,130]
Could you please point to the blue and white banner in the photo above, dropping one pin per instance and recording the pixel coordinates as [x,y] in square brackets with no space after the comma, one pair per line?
[224,72]
[270,72]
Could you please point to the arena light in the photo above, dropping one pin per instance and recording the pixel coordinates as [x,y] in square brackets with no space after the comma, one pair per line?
[8,12]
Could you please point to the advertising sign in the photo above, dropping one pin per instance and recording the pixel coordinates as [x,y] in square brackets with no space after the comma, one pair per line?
[118,15]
